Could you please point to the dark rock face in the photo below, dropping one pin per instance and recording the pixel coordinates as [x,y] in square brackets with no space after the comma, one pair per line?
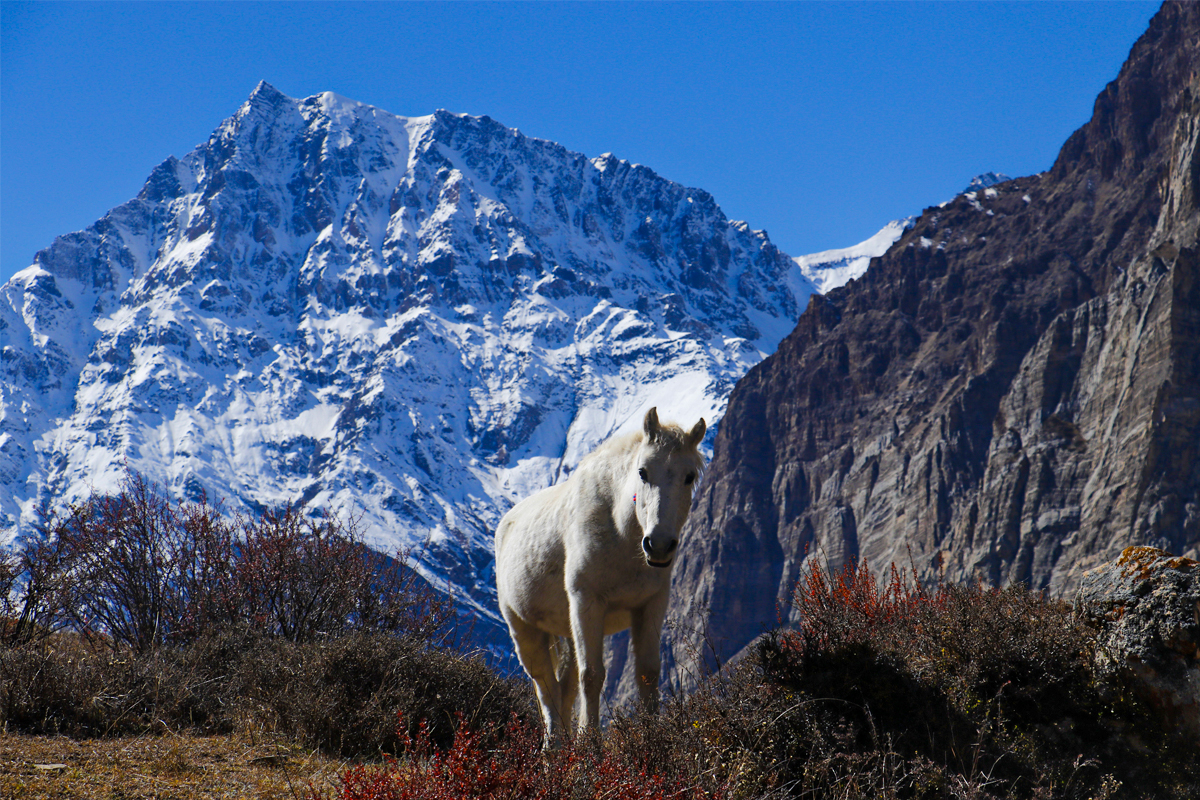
[1010,394]
[1147,604]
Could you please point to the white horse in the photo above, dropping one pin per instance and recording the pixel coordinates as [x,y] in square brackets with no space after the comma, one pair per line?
[592,556]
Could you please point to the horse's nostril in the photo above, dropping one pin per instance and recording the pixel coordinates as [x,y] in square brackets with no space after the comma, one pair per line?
[671,547]
[646,543]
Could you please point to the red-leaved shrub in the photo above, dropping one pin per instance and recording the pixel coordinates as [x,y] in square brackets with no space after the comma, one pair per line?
[507,763]
[851,606]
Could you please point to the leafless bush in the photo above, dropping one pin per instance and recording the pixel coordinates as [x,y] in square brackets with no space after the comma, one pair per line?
[10,568]
[42,568]
[205,593]
[123,573]
[137,570]
[301,577]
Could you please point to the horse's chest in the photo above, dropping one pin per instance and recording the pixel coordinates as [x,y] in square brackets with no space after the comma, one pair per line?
[634,593]
[607,572]
[619,588]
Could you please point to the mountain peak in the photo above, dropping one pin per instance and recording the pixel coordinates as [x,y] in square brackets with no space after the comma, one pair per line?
[265,103]
[832,269]
[413,321]
[985,181]
[266,92]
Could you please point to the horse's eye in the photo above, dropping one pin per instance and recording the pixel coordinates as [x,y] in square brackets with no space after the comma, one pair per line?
[691,476]
[642,474]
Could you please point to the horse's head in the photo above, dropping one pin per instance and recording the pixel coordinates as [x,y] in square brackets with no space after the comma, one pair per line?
[668,466]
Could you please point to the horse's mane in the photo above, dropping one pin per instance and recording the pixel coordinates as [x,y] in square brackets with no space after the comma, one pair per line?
[670,433]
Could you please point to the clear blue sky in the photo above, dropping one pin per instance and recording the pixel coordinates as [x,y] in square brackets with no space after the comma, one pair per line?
[818,122]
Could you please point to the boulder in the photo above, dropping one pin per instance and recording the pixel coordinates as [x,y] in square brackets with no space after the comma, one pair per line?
[1147,605]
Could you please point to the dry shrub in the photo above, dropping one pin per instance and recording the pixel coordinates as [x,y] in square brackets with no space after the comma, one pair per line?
[139,613]
[894,690]
[494,762]
[344,694]
[340,695]
[898,690]
[137,570]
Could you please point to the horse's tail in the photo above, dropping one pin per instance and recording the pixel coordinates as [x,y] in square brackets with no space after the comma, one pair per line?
[562,653]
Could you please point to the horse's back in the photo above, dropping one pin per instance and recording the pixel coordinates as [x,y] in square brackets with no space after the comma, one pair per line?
[531,523]
[530,560]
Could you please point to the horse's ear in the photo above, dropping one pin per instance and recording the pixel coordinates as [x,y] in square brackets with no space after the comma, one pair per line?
[696,434]
[650,424]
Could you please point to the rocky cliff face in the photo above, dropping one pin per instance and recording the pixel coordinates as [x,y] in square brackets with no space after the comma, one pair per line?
[1011,393]
[413,321]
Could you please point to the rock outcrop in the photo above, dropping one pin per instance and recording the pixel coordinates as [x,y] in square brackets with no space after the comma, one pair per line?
[1010,394]
[1147,606]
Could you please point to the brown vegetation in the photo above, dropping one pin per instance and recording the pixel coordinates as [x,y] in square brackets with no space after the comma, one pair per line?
[158,767]
[885,691]
[136,571]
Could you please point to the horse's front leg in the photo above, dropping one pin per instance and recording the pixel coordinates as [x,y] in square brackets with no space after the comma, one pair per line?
[587,631]
[646,637]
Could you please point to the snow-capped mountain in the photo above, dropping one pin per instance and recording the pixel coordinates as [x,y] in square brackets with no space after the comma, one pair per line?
[418,321]
[831,269]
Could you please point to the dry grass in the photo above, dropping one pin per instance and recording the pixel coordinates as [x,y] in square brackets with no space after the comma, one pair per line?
[162,767]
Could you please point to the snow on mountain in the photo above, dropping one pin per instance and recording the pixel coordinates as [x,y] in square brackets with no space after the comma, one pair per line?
[831,269]
[415,320]
[985,181]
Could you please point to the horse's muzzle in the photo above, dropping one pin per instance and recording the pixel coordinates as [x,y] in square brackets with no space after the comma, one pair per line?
[660,562]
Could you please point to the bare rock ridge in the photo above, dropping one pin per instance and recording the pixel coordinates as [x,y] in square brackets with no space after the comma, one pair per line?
[1010,394]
